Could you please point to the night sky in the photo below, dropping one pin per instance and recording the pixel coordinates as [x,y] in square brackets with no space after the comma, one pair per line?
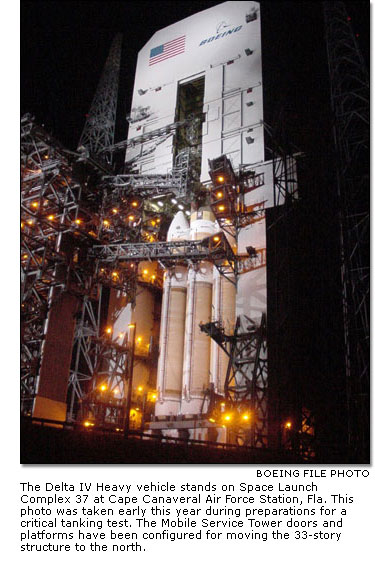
[64,45]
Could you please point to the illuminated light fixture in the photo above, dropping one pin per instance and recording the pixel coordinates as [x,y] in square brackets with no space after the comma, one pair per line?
[102,270]
[51,217]
[105,223]
[187,212]
[131,326]
[153,223]
[245,417]
[131,218]
[132,265]
[180,207]
[140,389]
[145,272]
[108,330]
[158,220]
[249,51]
[88,424]
[114,211]
[220,178]
[249,140]
[22,224]
[221,208]
[174,201]
[134,204]
[219,194]
[249,103]
[160,203]
[142,91]
[114,274]
[154,396]
[121,335]
[115,391]
[211,420]
[227,418]
[103,387]
[216,238]
[78,222]
[34,204]
[288,425]
[153,276]
[25,256]
[139,339]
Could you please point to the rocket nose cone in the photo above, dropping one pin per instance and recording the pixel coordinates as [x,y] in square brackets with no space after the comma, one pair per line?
[178,228]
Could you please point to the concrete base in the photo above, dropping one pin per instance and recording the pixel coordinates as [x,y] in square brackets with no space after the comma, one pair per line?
[49,409]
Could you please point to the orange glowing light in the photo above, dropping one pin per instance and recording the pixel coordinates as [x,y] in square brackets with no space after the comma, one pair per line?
[35,204]
[216,238]
[105,223]
[288,425]
[227,418]
[219,194]
[220,178]
[211,420]
[30,222]
[78,221]
[114,211]
[245,417]
[51,217]
[140,388]
[108,330]
[114,274]
[134,204]
[145,271]
[131,218]
[103,387]
[221,208]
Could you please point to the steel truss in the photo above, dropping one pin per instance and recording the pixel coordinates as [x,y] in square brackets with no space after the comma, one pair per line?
[246,381]
[349,84]
[60,219]
[99,130]
[227,195]
[216,249]
[175,182]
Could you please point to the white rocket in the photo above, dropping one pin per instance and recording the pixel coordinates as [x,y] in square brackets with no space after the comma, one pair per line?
[187,362]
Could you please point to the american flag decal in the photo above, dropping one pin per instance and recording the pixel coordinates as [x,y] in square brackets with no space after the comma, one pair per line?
[167,50]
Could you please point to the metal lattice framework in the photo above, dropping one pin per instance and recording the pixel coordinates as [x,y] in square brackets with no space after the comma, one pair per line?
[246,379]
[99,130]
[216,249]
[349,84]
[60,220]
[50,208]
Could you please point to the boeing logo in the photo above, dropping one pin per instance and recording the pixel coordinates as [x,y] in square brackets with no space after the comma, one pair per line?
[221,32]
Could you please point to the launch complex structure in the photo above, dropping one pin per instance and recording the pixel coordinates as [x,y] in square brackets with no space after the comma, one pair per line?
[145,291]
